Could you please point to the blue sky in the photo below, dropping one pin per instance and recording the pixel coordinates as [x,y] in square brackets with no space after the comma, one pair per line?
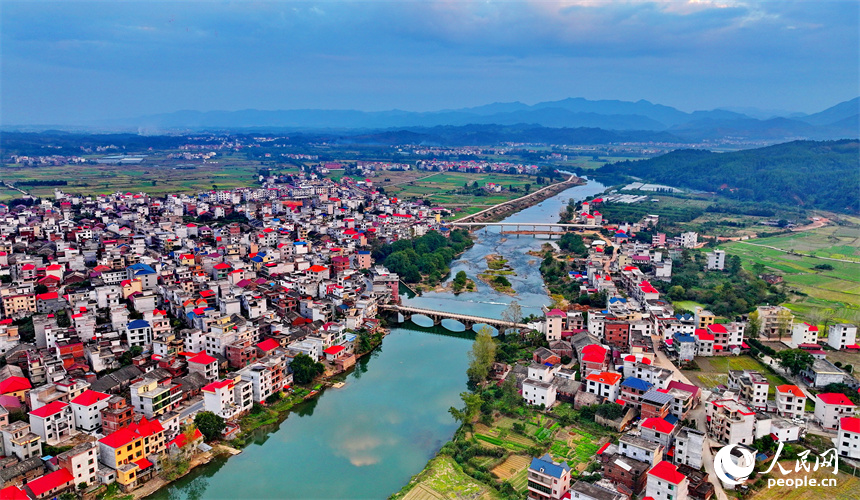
[76,62]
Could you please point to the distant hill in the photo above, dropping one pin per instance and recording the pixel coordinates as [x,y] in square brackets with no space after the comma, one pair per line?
[822,175]
[833,123]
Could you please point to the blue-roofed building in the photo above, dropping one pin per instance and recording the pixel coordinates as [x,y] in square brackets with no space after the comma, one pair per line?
[548,480]
[632,390]
[139,333]
[684,346]
[145,273]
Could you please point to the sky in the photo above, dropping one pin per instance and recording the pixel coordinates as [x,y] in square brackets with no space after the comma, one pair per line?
[77,63]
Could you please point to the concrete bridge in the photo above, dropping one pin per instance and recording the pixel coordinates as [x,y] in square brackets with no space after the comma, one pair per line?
[528,227]
[437,316]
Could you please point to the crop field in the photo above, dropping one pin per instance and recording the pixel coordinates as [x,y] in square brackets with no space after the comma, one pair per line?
[829,292]
[154,175]
[574,446]
[443,478]
[713,371]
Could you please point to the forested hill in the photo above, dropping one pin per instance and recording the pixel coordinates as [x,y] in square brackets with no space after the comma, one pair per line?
[823,175]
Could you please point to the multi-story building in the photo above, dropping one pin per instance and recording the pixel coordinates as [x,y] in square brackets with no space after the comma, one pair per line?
[228,398]
[804,334]
[752,387]
[640,449]
[689,444]
[116,415]
[731,422]
[548,480]
[54,422]
[87,410]
[790,401]
[666,483]
[604,384]
[774,321]
[621,470]
[153,399]
[587,491]
[19,441]
[81,461]
[657,430]
[848,441]
[716,260]
[831,407]
[842,336]
[132,443]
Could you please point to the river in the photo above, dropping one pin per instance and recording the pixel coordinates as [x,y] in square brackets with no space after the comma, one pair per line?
[368,438]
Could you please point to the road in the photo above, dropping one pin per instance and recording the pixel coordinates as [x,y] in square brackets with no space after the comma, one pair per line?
[191,410]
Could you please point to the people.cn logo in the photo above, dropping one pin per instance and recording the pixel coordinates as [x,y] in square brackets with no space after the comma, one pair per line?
[728,471]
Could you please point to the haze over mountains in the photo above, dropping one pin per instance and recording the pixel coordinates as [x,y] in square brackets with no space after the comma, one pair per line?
[839,121]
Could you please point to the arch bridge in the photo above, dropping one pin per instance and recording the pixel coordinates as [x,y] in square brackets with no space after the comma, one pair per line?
[466,320]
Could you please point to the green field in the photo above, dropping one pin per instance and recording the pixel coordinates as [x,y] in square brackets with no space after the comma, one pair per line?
[833,293]
[156,175]
[713,371]
[444,478]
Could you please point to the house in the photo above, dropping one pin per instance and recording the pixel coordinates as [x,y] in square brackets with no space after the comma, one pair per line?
[831,407]
[632,390]
[848,442]
[139,333]
[716,260]
[205,365]
[822,373]
[587,491]
[153,399]
[630,473]
[689,444]
[752,386]
[804,334]
[666,483]
[228,398]
[87,410]
[790,401]
[19,441]
[640,449]
[548,480]
[537,392]
[656,403]
[730,422]
[131,444]
[15,386]
[116,415]
[842,336]
[554,320]
[81,461]
[604,384]
[180,445]
[50,485]
[684,346]
[54,422]
[657,430]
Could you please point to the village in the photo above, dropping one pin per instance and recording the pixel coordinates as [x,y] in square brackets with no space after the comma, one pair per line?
[142,335]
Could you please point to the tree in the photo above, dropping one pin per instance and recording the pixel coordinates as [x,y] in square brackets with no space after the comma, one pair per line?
[482,356]
[513,313]
[783,322]
[305,369]
[467,414]
[754,325]
[210,424]
[130,354]
[677,292]
[795,360]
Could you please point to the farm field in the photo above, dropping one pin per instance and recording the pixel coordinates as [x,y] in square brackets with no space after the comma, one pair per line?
[444,479]
[828,292]
[713,371]
[154,175]
[847,486]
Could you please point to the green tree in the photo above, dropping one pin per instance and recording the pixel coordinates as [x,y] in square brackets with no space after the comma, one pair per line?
[472,406]
[482,356]
[512,314]
[677,292]
[305,369]
[130,354]
[795,360]
[210,424]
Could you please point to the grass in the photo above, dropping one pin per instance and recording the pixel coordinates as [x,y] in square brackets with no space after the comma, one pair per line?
[688,305]
[714,371]
[444,478]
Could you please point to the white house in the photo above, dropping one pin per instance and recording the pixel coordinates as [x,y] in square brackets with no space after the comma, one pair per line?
[666,483]
[54,422]
[790,401]
[87,410]
[604,384]
[848,442]
[804,333]
[832,406]
[841,336]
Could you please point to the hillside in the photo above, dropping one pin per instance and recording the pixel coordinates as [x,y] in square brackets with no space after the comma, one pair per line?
[822,175]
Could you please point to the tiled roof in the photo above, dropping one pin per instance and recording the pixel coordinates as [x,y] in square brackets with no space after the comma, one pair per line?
[667,472]
[49,409]
[90,398]
[835,398]
[48,482]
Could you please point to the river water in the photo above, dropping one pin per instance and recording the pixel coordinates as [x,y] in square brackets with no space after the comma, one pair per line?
[368,438]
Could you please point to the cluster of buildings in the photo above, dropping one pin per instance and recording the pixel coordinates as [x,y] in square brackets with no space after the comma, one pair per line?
[143,316]
[665,421]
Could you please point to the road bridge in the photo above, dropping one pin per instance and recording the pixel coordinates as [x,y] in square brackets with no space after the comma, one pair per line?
[437,316]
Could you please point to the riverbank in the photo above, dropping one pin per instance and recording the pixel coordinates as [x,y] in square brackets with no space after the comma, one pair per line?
[502,210]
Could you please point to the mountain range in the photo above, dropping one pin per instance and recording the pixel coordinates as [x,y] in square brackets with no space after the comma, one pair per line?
[839,121]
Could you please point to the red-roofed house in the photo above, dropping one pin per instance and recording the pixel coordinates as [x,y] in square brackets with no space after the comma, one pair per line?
[131,443]
[180,444]
[13,493]
[228,398]
[334,352]
[50,485]
[54,422]
[604,384]
[804,333]
[704,342]
[658,430]
[848,442]
[205,365]
[790,401]
[595,358]
[266,347]
[665,482]
[832,406]
[15,386]
[554,324]
[318,273]
[87,410]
